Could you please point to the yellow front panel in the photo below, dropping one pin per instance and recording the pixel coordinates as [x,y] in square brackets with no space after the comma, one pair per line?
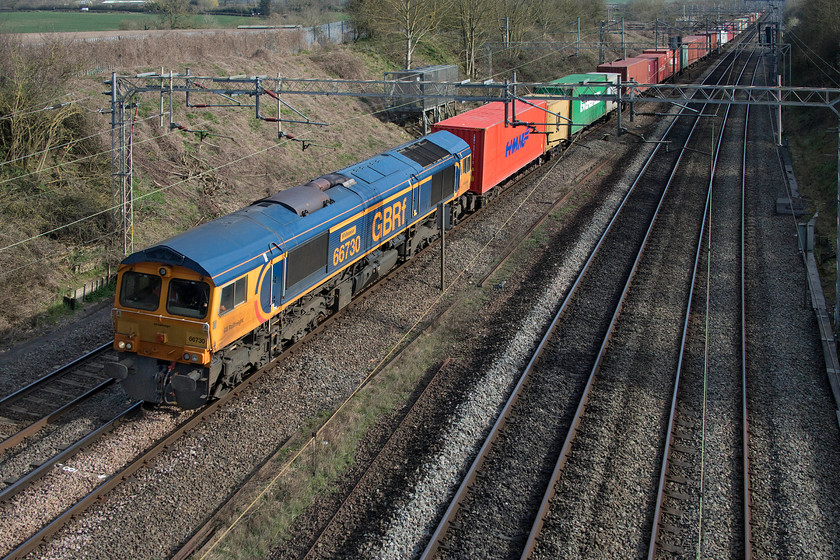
[156,333]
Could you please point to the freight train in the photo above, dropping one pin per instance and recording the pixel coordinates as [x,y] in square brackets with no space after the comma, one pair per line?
[196,313]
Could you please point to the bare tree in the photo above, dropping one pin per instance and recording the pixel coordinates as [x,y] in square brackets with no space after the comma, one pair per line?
[410,20]
[172,12]
[821,18]
[30,77]
[518,17]
[472,22]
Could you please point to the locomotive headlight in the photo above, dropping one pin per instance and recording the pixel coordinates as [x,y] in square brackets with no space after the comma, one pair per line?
[187,357]
[121,345]
[128,346]
[195,357]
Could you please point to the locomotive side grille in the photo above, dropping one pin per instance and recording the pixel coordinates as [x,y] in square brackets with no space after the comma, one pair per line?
[306,259]
[424,152]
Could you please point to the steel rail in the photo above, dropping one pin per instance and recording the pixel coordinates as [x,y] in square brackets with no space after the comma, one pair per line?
[379,453]
[203,535]
[664,468]
[55,376]
[745,427]
[33,476]
[495,431]
[566,449]
[44,421]
[23,391]
[516,242]
[567,444]
[114,481]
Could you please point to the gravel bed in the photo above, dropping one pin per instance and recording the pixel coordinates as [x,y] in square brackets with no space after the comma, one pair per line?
[73,426]
[61,488]
[158,509]
[794,436]
[709,407]
[414,516]
[70,337]
[794,432]
[427,432]
[497,514]
[606,495]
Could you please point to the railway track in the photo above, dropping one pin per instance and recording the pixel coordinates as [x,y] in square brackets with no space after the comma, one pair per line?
[498,517]
[36,405]
[124,471]
[710,394]
[42,414]
[338,521]
[110,482]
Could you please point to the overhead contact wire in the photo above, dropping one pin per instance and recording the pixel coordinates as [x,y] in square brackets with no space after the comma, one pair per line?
[150,193]
[156,191]
[66,144]
[24,112]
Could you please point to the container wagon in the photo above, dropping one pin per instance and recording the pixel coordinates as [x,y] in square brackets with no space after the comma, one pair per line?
[637,69]
[583,111]
[499,151]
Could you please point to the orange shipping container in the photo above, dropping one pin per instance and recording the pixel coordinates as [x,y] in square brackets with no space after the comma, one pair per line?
[636,69]
[696,45]
[499,151]
[659,70]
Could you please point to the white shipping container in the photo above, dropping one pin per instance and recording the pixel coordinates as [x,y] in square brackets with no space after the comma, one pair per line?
[613,79]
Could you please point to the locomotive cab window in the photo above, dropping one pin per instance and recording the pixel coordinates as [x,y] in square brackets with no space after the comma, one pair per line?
[233,295]
[466,164]
[140,291]
[188,298]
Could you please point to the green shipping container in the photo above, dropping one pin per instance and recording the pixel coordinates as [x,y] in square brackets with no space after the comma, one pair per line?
[683,56]
[584,112]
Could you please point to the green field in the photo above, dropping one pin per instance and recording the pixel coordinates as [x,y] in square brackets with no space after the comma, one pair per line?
[50,22]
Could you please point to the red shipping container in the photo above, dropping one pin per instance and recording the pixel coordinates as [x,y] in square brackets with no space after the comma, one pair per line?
[696,47]
[498,151]
[672,60]
[713,41]
[637,69]
[653,68]
[659,68]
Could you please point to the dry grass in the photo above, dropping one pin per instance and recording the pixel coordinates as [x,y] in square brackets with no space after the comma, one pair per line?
[183,179]
[180,179]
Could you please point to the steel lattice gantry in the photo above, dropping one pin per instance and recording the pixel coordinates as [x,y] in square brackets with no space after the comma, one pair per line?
[246,92]
[126,88]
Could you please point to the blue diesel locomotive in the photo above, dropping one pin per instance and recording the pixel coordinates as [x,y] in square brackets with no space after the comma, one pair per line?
[196,312]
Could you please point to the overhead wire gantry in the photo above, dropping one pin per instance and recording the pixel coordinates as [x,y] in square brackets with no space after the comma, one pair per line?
[248,91]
